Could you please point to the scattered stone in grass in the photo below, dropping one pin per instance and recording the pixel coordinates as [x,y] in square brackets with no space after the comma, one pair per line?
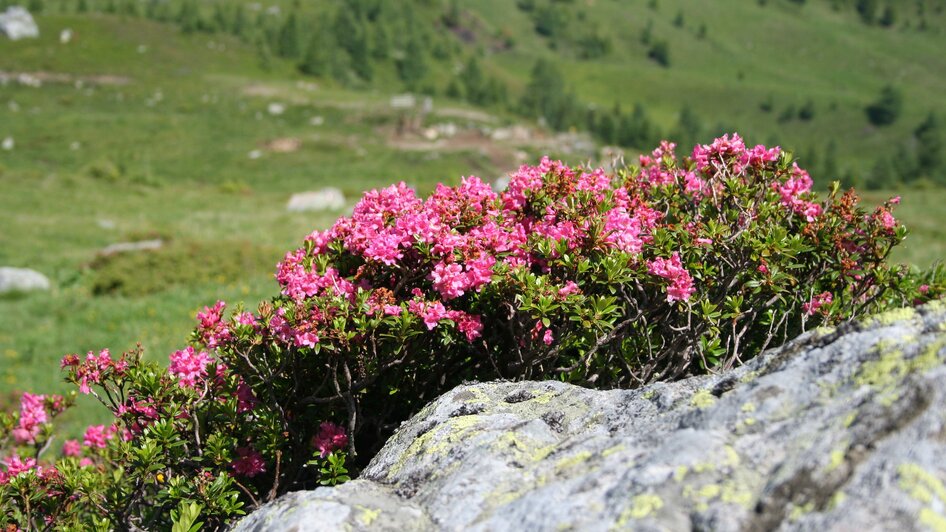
[21,280]
[327,199]
[17,23]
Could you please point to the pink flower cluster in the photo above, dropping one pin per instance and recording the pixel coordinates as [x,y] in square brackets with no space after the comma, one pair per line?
[32,418]
[97,436]
[815,304]
[211,327]
[330,438]
[792,190]
[681,284]
[189,366]
[94,368]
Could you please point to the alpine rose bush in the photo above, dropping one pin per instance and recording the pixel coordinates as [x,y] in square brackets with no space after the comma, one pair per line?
[673,267]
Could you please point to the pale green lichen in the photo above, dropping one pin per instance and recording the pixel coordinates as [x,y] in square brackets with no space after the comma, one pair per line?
[890,317]
[749,376]
[885,374]
[644,505]
[702,399]
[849,419]
[924,487]
[729,492]
[798,512]
[649,394]
[748,407]
[836,500]
[523,450]
[611,450]
[366,515]
[572,461]
[543,399]
[825,331]
[836,459]
[681,473]
[449,432]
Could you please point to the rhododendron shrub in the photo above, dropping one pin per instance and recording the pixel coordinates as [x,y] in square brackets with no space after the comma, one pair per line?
[673,267]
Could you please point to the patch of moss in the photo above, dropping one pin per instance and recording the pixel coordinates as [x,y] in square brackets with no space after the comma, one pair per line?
[890,317]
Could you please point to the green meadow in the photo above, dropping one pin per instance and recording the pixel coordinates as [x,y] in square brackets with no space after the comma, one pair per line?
[139,132]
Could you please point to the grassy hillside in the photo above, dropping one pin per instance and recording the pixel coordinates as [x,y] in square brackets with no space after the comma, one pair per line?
[138,130]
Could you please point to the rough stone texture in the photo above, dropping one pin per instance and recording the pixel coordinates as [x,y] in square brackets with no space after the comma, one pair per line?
[839,430]
[17,23]
[21,280]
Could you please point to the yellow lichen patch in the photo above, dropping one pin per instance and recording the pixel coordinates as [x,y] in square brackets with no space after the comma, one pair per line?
[836,500]
[523,450]
[572,461]
[890,317]
[924,487]
[644,505]
[800,511]
[836,459]
[703,399]
[849,419]
[729,492]
[921,484]
[366,515]
[544,398]
[451,431]
[749,376]
[681,473]
[748,407]
[933,520]
[732,457]
[889,370]
[825,331]
[611,450]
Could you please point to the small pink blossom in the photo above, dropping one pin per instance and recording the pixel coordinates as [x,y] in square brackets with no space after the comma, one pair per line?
[189,366]
[815,304]
[97,436]
[681,284]
[71,448]
[249,462]
[548,338]
[330,438]
[246,400]
[569,289]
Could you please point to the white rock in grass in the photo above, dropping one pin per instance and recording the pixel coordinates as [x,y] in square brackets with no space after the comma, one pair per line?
[255,154]
[7,144]
[17,23]
[21,280]
[327,199]
[276,109]
[65,36]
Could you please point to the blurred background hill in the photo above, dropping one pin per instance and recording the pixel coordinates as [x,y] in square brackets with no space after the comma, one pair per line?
[152,151]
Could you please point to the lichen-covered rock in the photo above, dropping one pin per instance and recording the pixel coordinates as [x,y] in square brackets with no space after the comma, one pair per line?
[839,430]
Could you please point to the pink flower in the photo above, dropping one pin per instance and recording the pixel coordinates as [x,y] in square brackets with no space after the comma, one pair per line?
[449,280]
[32,417]
[812,306]
[97,436]
[681,284]
[306,339]
[330,438]
[211,327]
[249,462]
[71,448]
[16,465]
[548,338]
[924,288]
[245,318]
[569,289]
[189,366]
[246,401]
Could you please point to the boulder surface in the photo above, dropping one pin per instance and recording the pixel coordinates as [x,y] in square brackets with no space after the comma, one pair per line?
[21,280]
[17,23]
[839,430]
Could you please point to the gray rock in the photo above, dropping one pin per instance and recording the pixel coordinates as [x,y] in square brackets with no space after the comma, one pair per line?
[17,23]
[838,430]
[21,280]
[327,199]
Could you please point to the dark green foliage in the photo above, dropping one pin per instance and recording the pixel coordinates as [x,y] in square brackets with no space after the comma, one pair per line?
[689,130]
[678,20]
[189,17]
[137,273]
[887,108]
[867,9]
[636,130]
[36,6]
[930,156]
[807,111]
[593,45]
[288,44]
[546,96]
[660,52]
[889,18]
[550,21]
[413,66]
